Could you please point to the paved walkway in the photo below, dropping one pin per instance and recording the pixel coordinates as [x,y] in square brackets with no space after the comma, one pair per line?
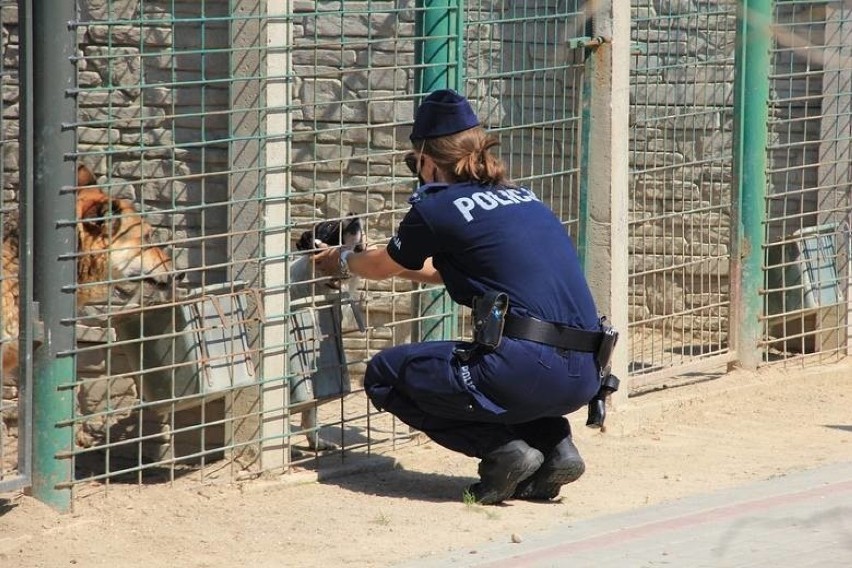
[799,520]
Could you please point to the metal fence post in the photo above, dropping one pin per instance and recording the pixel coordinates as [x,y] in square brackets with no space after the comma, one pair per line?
[606,260]
[751,116]
[54,47]
[439,60]
[279,96]
[438,51]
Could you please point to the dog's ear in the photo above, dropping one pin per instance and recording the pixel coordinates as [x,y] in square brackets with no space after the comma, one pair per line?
[93,207]
[85,177]
[306,241]
[353,233]
[328,232]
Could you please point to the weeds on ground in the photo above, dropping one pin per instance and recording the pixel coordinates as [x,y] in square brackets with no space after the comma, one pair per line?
[382,519]
[470,503]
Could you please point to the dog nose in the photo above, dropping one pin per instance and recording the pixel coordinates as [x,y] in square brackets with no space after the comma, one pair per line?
[165,279]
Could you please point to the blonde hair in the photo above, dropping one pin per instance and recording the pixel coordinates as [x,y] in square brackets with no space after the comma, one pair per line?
[467,156]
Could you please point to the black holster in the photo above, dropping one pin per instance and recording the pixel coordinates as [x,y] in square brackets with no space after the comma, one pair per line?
[489,317]
[597,406]
[606,348]
[609,382]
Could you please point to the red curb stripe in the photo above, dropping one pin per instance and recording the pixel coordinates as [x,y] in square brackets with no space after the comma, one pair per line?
[627,534]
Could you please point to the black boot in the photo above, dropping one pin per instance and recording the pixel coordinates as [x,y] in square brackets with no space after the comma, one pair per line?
[502,469]
[562,465]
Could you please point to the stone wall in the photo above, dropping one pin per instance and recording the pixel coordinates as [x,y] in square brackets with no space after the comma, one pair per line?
[681,154]
[354,103]
[681,159]
[9,148]
[351,93]
[153,106]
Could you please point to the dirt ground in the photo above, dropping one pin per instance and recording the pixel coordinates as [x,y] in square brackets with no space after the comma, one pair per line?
[658,447]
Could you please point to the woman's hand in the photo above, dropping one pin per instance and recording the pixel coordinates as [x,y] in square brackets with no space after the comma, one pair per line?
[327,260]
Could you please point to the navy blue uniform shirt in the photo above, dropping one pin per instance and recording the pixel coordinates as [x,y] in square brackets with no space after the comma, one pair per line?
[483,237]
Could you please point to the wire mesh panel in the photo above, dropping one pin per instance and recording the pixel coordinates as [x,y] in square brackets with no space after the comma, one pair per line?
[524,72]
[168,145]
[680,188]
[809,176]
[340,105]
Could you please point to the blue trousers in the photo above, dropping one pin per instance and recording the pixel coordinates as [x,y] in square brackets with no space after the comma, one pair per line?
[523,390]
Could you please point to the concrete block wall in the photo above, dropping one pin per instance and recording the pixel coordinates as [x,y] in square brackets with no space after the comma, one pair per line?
[680,160]
[9,182]
[354,106]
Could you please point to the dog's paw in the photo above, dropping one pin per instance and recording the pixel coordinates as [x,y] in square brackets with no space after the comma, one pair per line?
[317,444]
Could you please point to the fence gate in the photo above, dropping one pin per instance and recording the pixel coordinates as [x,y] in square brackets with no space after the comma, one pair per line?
[793,214]
[682,103]
[808,175]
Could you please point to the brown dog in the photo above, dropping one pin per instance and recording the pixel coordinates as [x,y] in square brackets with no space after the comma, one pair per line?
[116,259]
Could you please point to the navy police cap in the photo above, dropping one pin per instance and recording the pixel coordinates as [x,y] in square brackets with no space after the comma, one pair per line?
[442,113]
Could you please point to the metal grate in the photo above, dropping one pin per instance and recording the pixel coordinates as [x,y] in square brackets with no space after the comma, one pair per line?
[525,70]
[808,202]
[680,189]
[236,128]
[233,127]
[168,120]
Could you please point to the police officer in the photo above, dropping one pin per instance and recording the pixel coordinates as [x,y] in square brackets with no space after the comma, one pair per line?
[473,230]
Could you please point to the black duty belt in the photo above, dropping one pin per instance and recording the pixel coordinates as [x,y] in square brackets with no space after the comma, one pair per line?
[548,333]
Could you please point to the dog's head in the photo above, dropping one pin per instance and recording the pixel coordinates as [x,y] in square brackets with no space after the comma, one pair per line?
[346,232]
[116,249]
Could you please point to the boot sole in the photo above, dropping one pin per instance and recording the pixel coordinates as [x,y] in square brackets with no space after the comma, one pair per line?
[545,485]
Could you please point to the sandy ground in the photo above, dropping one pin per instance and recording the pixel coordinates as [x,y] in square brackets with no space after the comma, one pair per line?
[658,447]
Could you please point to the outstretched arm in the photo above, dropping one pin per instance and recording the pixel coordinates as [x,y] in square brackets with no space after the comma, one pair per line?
[427,275]
[375,264]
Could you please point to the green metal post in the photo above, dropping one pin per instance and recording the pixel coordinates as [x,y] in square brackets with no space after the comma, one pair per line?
[438,53]
[751,117]
[585,143]
[439,60]
[54,47]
